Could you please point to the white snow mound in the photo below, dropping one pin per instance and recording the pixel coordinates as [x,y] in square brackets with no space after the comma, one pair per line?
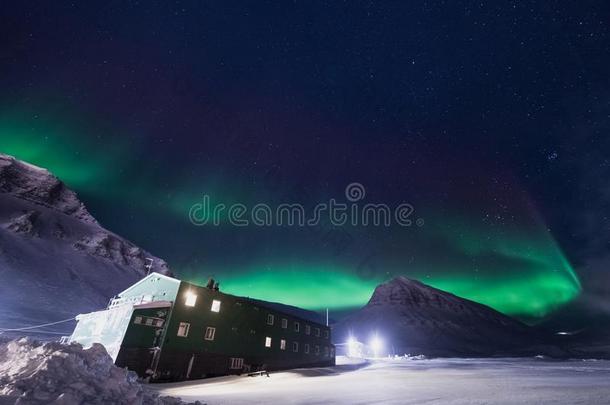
[33,372]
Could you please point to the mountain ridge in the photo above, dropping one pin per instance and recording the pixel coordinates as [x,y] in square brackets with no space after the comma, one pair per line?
[56,260]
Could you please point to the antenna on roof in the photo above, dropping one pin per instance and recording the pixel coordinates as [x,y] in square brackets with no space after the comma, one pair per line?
[326,316]
[148,265]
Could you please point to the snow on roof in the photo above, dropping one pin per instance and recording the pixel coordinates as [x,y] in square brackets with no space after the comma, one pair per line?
[151,275]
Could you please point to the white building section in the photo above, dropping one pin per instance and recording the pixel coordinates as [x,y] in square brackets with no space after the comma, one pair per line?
[108,326]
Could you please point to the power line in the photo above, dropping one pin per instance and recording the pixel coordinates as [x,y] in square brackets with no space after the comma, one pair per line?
[37,326]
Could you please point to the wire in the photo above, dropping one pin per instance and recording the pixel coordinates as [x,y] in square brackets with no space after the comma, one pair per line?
[37,326]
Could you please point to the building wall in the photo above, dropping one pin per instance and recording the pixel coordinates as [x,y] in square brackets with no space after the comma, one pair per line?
[241,329]
[142,339]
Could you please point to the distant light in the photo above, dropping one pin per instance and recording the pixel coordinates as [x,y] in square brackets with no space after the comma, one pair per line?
[353,347]
[191,299]
[376,344]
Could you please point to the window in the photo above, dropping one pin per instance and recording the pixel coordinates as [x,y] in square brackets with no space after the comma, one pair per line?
[183,329]
[295,346]
[270,319]
[297,326]
[267,341]
[284,323]
[209,333]
[325,351]
[215,306]
[307,329]
[326,334]
[138,320]
[306,348]
[159,323]
[317,350]
[283,344]
[149,321]
[317,332]
[237,363]
[191,299]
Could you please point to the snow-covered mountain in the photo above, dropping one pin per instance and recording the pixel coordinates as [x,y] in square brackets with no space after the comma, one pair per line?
[56,260]
[413,318]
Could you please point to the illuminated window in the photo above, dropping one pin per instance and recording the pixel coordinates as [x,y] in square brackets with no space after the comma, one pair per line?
[215,306]
[284,323]
[306,348]
[297,326]
[237,363]
[283,344]
[307,329]
[149,321]
[267,341]
[209,333]
[317,350]
[159,323]
[318,332]
[270,319]
[295,346]
[191,299]
[138,320]
[183,329]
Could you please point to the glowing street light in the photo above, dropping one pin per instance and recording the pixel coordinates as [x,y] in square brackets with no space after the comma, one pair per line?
[352,347]
[376,344]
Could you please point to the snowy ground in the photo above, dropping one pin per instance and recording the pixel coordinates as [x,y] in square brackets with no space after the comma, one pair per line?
[440,381]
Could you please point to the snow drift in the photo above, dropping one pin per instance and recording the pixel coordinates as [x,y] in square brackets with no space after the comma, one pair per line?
[32,372]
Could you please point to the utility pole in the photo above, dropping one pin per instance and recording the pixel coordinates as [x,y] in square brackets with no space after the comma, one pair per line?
[148,265]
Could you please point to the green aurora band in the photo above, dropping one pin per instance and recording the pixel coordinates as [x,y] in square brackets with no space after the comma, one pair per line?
[518,270]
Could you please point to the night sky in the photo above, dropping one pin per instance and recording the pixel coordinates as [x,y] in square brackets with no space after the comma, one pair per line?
[491,118]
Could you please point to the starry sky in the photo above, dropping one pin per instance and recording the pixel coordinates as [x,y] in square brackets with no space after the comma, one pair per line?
[490,118]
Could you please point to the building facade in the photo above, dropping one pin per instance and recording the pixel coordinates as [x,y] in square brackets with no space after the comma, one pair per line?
[171,330]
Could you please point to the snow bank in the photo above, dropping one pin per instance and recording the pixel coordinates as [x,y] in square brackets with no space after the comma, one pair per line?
[32,372]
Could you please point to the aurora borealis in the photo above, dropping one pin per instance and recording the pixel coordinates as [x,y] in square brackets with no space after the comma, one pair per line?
[486,132]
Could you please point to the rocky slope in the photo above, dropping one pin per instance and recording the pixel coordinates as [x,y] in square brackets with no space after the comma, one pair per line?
[56,260]
[413,318]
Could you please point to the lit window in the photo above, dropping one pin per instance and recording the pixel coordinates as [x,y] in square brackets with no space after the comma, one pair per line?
[307,329]
[270,319]
[215,306]
[267,341]
[295,346]
[209,333]
[237,363]
[326,334]
[284,323]
[283,344]
[159,323]
[318,332]
[149,321]
[191,299]
[138,319]
[297,326]
[306,348]
[317,350]
[183,329]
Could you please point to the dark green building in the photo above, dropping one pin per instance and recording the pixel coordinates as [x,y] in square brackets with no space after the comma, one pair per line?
[169,329]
